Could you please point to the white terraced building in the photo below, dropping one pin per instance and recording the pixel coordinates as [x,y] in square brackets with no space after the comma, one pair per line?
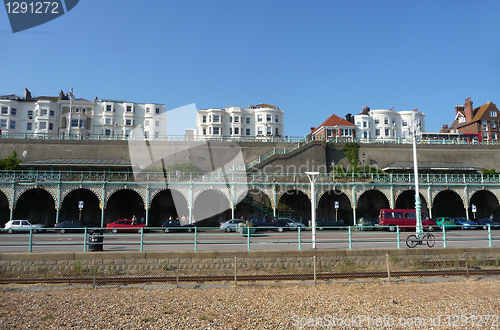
[64,115]
[386,124]
[261,121]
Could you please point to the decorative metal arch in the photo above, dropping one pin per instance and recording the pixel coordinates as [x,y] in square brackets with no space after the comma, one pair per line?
[67,189]
[111,189]
[51,189]
[153,191]
[398,191]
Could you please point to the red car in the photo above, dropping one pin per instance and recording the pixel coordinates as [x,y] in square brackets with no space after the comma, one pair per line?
[124,225]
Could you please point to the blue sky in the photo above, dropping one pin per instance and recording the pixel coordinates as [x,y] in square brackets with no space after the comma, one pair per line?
[310,58]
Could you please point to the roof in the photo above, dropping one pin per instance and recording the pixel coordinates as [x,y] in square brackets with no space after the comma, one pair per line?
[77,162]
[478,114]
[334,121]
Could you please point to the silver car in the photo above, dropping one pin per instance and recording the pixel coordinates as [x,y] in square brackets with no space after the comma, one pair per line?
[231,225]
[292,224]
[23,225]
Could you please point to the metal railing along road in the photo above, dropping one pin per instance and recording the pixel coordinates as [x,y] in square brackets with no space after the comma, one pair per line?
[238,175]
[212,238]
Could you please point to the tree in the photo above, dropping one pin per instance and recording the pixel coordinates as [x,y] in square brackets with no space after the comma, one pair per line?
[10,163]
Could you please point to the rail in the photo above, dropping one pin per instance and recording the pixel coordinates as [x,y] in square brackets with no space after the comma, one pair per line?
[202,238]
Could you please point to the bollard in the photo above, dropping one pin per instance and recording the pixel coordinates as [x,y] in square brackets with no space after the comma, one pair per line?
[388,267]
[235,278]
[300,240]
[444,237]
[398,237]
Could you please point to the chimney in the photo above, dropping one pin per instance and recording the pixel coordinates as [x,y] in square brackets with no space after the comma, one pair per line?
[469,111]
[312,129]
[366,110]
[27,94]
[349,118]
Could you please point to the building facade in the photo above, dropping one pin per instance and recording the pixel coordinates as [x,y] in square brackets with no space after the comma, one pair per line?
[334,127]
[483,120]
[386,124]
[65,115]
[261,121]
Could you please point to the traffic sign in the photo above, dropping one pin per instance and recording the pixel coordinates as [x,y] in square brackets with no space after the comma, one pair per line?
[474,208]
[336,204]
[80,205]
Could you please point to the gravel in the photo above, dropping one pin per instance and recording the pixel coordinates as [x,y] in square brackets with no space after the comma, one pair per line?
[414,304]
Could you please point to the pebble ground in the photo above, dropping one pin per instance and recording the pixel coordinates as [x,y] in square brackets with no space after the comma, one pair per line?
[416,304]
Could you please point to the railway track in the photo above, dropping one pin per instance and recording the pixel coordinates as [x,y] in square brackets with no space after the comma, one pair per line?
[100,280]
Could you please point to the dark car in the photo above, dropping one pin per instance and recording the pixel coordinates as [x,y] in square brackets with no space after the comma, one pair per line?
[484,222]
[175,225]
[329,224]
[263,222]
[67,226]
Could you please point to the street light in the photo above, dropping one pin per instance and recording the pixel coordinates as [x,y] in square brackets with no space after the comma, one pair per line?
[312,179]
[414,130]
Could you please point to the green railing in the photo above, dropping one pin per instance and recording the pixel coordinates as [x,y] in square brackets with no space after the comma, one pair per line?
[212,238]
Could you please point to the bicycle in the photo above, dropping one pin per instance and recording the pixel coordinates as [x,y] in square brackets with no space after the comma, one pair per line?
[412,240]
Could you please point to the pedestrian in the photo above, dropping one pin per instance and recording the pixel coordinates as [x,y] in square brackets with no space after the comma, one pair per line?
[183,219]
[491,217]
[170,218]
[142,221]
[134,220]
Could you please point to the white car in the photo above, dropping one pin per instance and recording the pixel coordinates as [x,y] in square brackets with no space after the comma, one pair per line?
[231,225]
[23,225]
[292,224]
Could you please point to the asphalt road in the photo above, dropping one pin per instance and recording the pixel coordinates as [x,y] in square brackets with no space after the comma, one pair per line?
[214,239]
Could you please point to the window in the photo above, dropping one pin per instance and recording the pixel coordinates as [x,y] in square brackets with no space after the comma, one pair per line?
[204,120]
[216,130]
[236,119]
[30,113]
[493,113]
[12,124]
[461,119]
[485,136]
[74,122]
[247,120]
[259,118]
[269,130]
[346,132]
[128,122]
[13,112]
[29,126]
[129,108]
[237,131]
[51,113]
[386,120]
[248,131]
[108,107]
[146,123]
[147,110]
[157,134]
[494,136]
[216,118]
[108,121]
[329,132]
[127,133]
[43,125]
[377,132]
[43,112]
[230,119]
[377,121]
[259,130]
[157,123]
[493,124]
[386,132]
[146,134]
[5,111]
[204,131]
[365,135]
[276,118]
[268,117]
[51,126]
[277,131]
[364,124]
[485,125]
[157,110]
[83,111]
[359,124]
[107,132]
[405,123]
[77,110]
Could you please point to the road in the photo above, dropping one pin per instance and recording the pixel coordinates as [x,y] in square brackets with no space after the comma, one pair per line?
[214,239]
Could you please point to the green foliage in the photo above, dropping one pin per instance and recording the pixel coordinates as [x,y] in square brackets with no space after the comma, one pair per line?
[490,171]
[10,163]
[184,168]
[351,152]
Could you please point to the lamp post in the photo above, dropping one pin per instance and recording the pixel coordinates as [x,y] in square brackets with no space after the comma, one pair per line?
[312,179]
[414,132]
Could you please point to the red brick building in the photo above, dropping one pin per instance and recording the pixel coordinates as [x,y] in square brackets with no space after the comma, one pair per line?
[483,120]
[334,126]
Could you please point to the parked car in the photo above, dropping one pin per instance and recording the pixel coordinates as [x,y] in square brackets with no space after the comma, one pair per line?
[175,225]
[292,224]
[465,223]
[446,222]
[263,222]
[329,224]
[70,226]
[13,226]
[125,225]
[231,225]
[484,222]
[405,219]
